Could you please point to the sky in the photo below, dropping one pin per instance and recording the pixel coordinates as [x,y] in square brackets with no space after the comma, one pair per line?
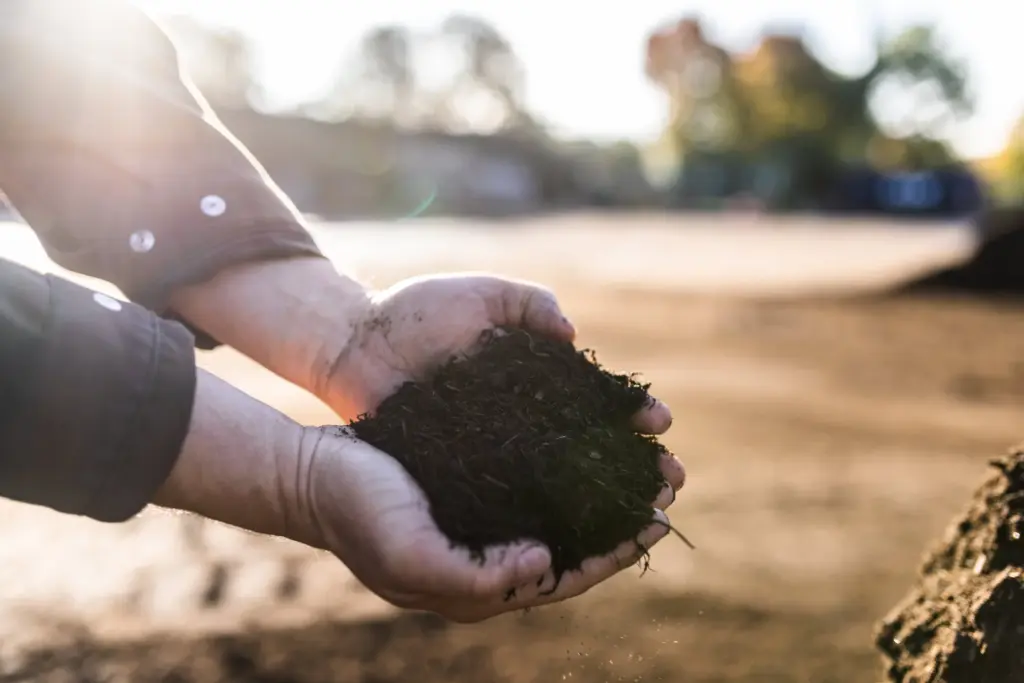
[584,66]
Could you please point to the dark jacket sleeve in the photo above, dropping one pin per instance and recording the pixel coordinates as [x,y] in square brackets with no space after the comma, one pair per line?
[96,399]
[118,163]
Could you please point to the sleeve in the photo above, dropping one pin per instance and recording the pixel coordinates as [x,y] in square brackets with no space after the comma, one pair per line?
[97,397]
[118,163]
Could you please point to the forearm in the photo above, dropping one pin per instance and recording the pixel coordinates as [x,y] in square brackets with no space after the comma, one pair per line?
[293,316]
[240,463]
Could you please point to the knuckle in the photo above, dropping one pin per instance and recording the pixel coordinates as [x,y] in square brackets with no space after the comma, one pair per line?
[544,297]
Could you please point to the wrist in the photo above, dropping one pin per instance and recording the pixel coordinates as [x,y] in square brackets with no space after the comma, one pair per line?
[296,317]
[245,464]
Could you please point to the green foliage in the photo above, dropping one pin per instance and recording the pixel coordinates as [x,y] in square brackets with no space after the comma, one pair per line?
[1010,181]
[780,108]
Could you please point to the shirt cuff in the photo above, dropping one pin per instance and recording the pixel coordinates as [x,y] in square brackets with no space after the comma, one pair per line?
[106,408]
[178,227]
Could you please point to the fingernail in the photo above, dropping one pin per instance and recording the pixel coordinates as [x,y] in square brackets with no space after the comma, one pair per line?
[660,522]
[533,562]
[672,467]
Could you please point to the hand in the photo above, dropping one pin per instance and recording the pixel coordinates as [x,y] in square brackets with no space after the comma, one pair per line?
[372,515]
[415,326]
[318,329]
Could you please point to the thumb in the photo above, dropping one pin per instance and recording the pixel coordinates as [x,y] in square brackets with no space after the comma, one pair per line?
[456,573]
[534,308]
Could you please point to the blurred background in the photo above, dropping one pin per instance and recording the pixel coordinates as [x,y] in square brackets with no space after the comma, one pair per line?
[800,221]
[853,108]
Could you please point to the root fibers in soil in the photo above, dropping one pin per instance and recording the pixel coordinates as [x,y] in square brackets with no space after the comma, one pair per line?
[964,621]
[528,439]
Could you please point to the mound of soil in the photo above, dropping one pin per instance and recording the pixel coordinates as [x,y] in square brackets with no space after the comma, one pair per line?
[964,621]
[528,439]
[994,269]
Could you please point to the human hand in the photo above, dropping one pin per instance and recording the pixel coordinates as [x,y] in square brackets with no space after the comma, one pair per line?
[368,511]
[415,326]
[342,494]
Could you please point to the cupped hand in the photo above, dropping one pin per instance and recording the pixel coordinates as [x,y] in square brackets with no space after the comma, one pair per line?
[372,515]
[375,517]
[415,326]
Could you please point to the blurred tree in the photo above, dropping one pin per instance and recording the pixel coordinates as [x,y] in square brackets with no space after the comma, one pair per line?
[923,87]
[1010,167]
[464,76]
[786,91]
[785,121]
[219,61]
[698,77]
[486,92]
[386,85]
[911,153]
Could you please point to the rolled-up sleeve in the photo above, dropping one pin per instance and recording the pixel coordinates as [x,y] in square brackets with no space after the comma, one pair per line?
[97,397]
[118,163]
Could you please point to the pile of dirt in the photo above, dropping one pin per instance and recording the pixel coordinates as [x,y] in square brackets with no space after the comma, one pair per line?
[528,439]
[964,621]
[994,269]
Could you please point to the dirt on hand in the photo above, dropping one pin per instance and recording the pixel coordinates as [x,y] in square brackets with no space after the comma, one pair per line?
[964,621]
[528,439]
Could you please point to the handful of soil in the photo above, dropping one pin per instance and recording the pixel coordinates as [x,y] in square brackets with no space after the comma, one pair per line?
[528,439]
[964,620]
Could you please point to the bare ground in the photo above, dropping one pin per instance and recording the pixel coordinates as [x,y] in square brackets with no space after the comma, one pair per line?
[827,443]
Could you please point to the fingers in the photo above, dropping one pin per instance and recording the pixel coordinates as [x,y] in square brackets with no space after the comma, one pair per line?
[673,471]
[534,308]
[594,571]
[665,498]
[453,573]
[514,584]
[654,418]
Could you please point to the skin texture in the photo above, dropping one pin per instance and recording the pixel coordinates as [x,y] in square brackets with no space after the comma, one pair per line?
[245,464]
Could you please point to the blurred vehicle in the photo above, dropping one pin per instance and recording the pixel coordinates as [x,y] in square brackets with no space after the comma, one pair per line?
[951,192]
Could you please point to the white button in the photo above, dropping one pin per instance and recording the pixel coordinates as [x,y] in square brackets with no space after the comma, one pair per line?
[212,205]
[106,302]
[141,241]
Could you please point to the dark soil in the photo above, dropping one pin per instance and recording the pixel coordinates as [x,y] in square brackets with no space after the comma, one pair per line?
[527,439]
[994,270]
[964,621]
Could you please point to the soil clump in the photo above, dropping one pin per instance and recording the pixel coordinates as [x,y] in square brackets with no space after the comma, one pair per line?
[529,438]
[964,620]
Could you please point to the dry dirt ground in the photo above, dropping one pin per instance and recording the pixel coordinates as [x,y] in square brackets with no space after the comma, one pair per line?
[828,442]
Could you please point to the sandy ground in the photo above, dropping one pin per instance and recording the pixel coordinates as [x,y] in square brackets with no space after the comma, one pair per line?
[827,441]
